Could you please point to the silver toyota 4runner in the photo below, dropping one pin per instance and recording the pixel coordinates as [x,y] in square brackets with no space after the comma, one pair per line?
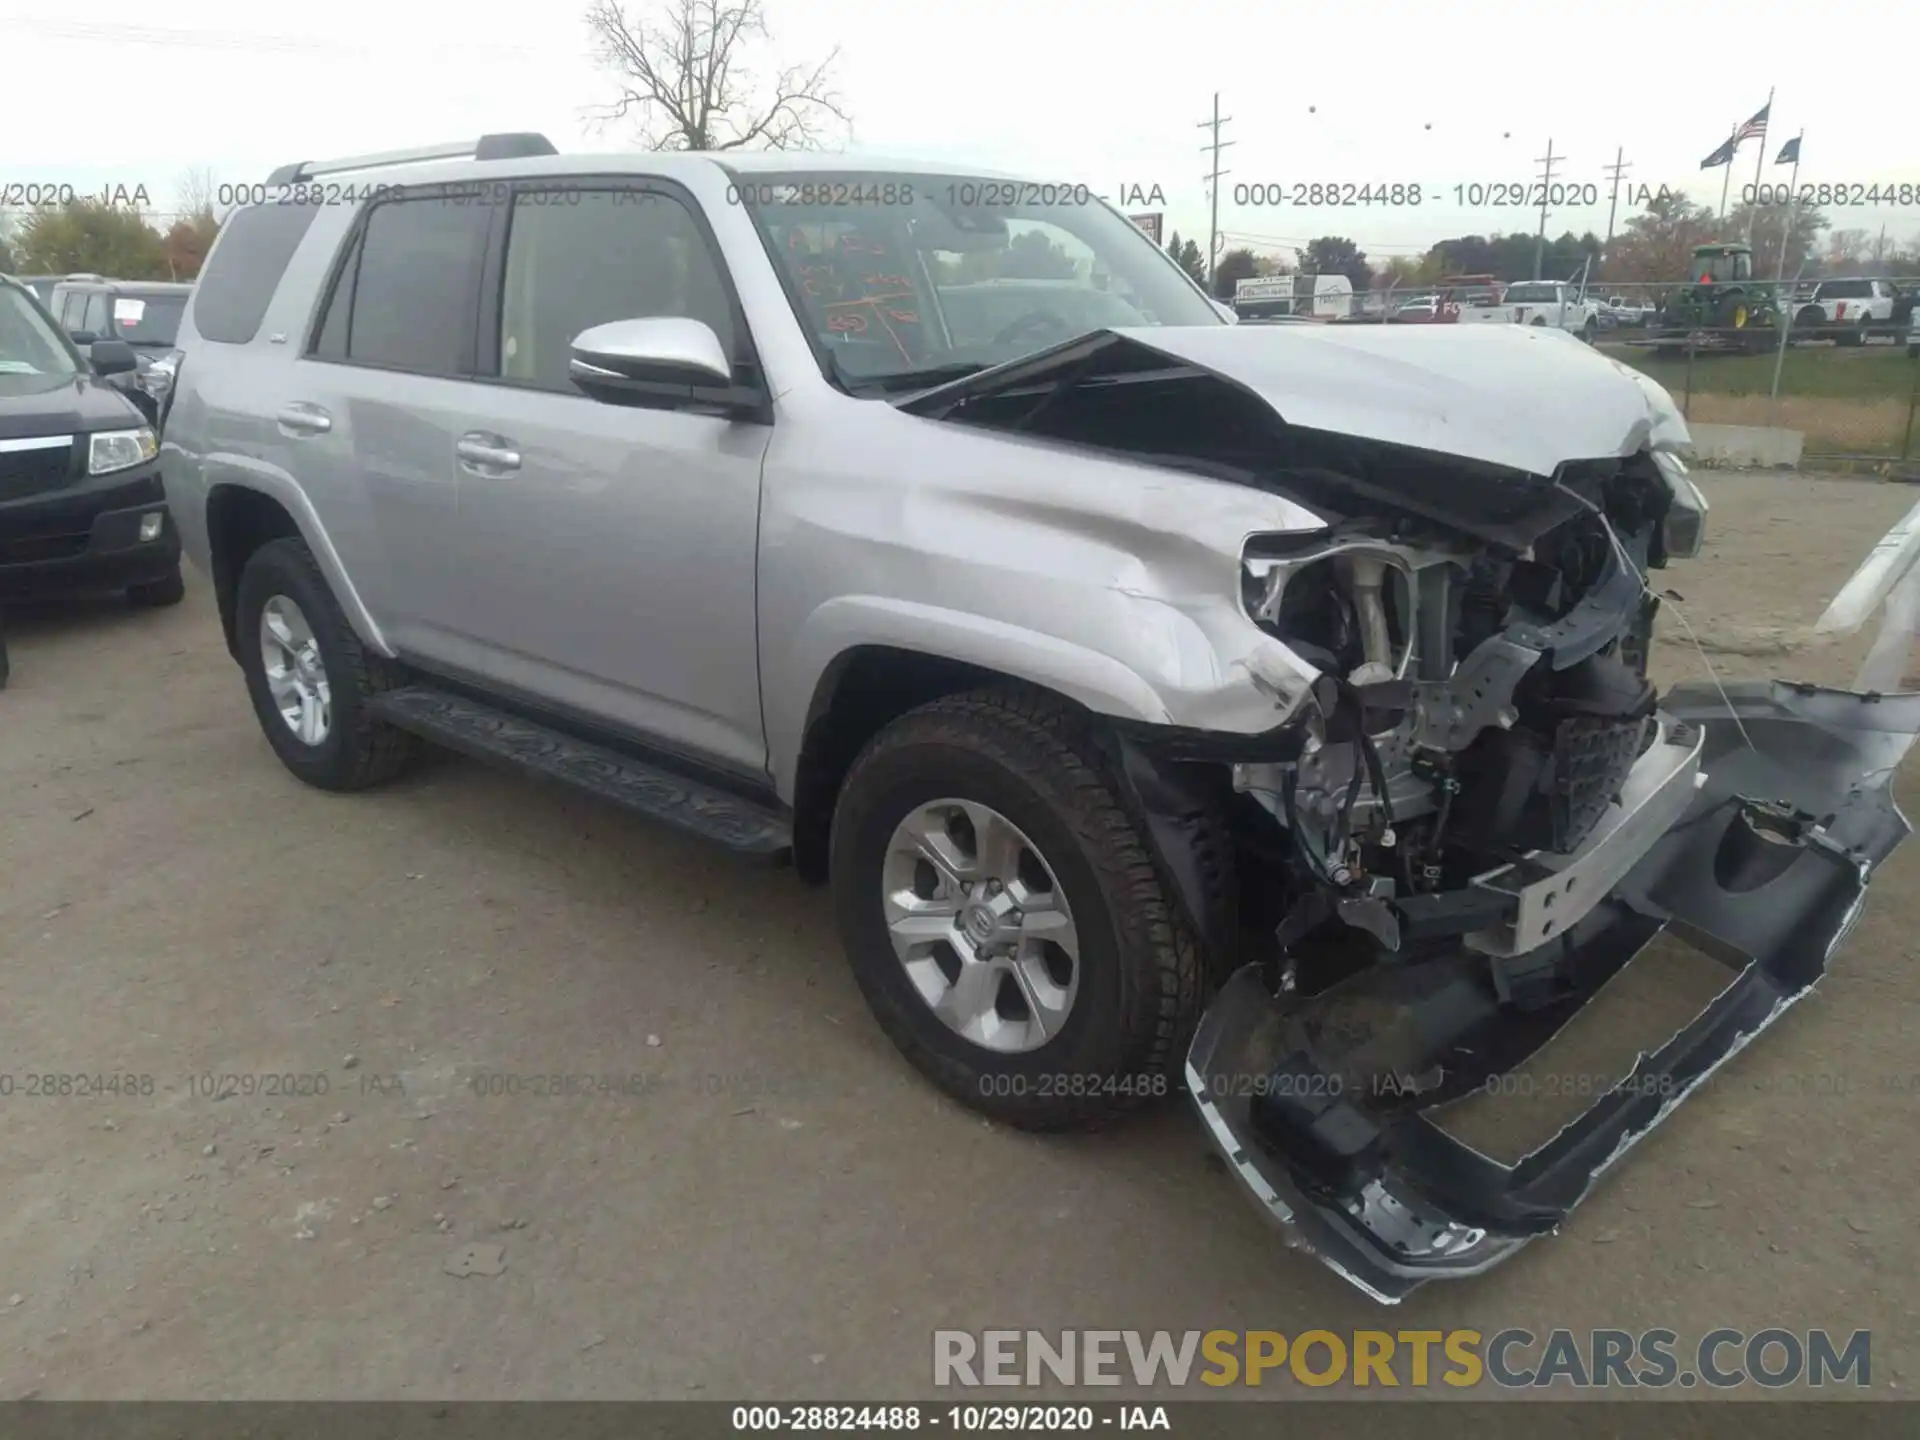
[1259,712]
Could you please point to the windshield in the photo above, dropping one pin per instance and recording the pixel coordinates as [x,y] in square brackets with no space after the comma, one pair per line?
[29,344]
[1735,266]
[148,319]
[900,275]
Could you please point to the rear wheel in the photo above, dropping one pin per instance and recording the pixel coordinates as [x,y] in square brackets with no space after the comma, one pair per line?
[1004,917]
[309,676]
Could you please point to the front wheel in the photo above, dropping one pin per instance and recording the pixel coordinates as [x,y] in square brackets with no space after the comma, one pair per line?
[1004,918]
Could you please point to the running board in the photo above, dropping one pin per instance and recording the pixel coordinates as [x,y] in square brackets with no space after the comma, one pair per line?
[753,831]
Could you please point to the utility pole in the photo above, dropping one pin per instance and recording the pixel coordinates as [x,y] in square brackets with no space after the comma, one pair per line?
[1546,186]
[1214,146]
[1617,169]
[1879,245]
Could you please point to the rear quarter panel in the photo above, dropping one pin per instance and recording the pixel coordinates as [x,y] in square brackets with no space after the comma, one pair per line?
[222,431]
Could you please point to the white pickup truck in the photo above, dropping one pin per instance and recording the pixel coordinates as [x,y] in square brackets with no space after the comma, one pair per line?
[1543,302]
[1851,311]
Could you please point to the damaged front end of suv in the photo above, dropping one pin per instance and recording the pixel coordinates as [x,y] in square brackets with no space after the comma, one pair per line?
[1472,808]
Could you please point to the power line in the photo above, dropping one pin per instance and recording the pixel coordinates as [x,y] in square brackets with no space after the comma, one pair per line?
[118,35]
[1298,242]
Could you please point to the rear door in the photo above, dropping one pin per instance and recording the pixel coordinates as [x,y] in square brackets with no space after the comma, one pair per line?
[383,393]
[609,551]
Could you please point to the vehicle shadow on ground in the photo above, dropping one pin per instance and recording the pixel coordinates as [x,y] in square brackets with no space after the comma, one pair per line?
[55,619]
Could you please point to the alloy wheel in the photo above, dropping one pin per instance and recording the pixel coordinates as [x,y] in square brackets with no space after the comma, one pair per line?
[296,674]
[981,925]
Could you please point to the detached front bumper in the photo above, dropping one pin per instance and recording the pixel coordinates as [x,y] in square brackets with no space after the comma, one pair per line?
[1757,822]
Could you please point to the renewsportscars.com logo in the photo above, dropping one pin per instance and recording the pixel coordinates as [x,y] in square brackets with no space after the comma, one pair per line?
[1508,1359]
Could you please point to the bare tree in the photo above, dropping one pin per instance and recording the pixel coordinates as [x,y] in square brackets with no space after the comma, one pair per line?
[196,191]
[684,72]
[1848,250]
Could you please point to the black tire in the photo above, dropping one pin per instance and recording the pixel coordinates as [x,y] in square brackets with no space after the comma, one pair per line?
[1142,976]
[1538,320]
[358,751]
[169,589]
[1590,331]
[1854,335]
[1913,352]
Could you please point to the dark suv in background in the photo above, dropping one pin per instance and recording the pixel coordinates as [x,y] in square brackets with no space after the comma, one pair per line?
[143,313]
[81,505]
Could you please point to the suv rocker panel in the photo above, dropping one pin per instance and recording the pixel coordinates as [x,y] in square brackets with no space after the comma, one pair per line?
[489,733]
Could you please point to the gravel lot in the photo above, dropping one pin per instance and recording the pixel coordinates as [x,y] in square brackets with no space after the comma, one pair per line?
[783,1209]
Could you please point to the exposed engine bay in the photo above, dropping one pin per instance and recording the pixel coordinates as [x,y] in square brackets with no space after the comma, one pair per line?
[1488,813]
[1475,707]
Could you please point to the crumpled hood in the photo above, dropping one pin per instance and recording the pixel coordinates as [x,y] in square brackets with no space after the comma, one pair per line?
[1522,398]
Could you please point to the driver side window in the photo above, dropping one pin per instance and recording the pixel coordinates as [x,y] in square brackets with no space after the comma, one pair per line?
[577,258]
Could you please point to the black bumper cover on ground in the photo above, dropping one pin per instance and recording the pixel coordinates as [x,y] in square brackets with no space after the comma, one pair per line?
[1767,871]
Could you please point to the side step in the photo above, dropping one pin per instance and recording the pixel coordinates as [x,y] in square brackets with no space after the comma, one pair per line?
[753,831]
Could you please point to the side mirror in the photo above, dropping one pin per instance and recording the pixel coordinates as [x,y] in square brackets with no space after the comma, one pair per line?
[82,338]
[666,350]
[111,357]
[664,361]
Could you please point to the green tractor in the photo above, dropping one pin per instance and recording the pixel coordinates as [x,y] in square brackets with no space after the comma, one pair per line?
[1723,307]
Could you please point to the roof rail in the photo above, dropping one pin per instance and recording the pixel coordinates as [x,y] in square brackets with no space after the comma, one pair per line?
[512,145]
[82,275]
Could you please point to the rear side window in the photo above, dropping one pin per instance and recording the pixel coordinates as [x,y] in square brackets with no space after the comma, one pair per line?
[244,270]
[414,286]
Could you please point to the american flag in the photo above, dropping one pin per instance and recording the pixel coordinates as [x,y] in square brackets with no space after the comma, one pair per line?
[1757,126]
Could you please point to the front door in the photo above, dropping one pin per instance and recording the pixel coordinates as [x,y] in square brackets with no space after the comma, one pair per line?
[609,551]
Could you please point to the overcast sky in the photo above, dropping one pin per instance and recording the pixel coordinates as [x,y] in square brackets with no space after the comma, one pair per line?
[1108,94]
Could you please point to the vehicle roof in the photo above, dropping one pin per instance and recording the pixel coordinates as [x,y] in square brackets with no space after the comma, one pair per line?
[672,164]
